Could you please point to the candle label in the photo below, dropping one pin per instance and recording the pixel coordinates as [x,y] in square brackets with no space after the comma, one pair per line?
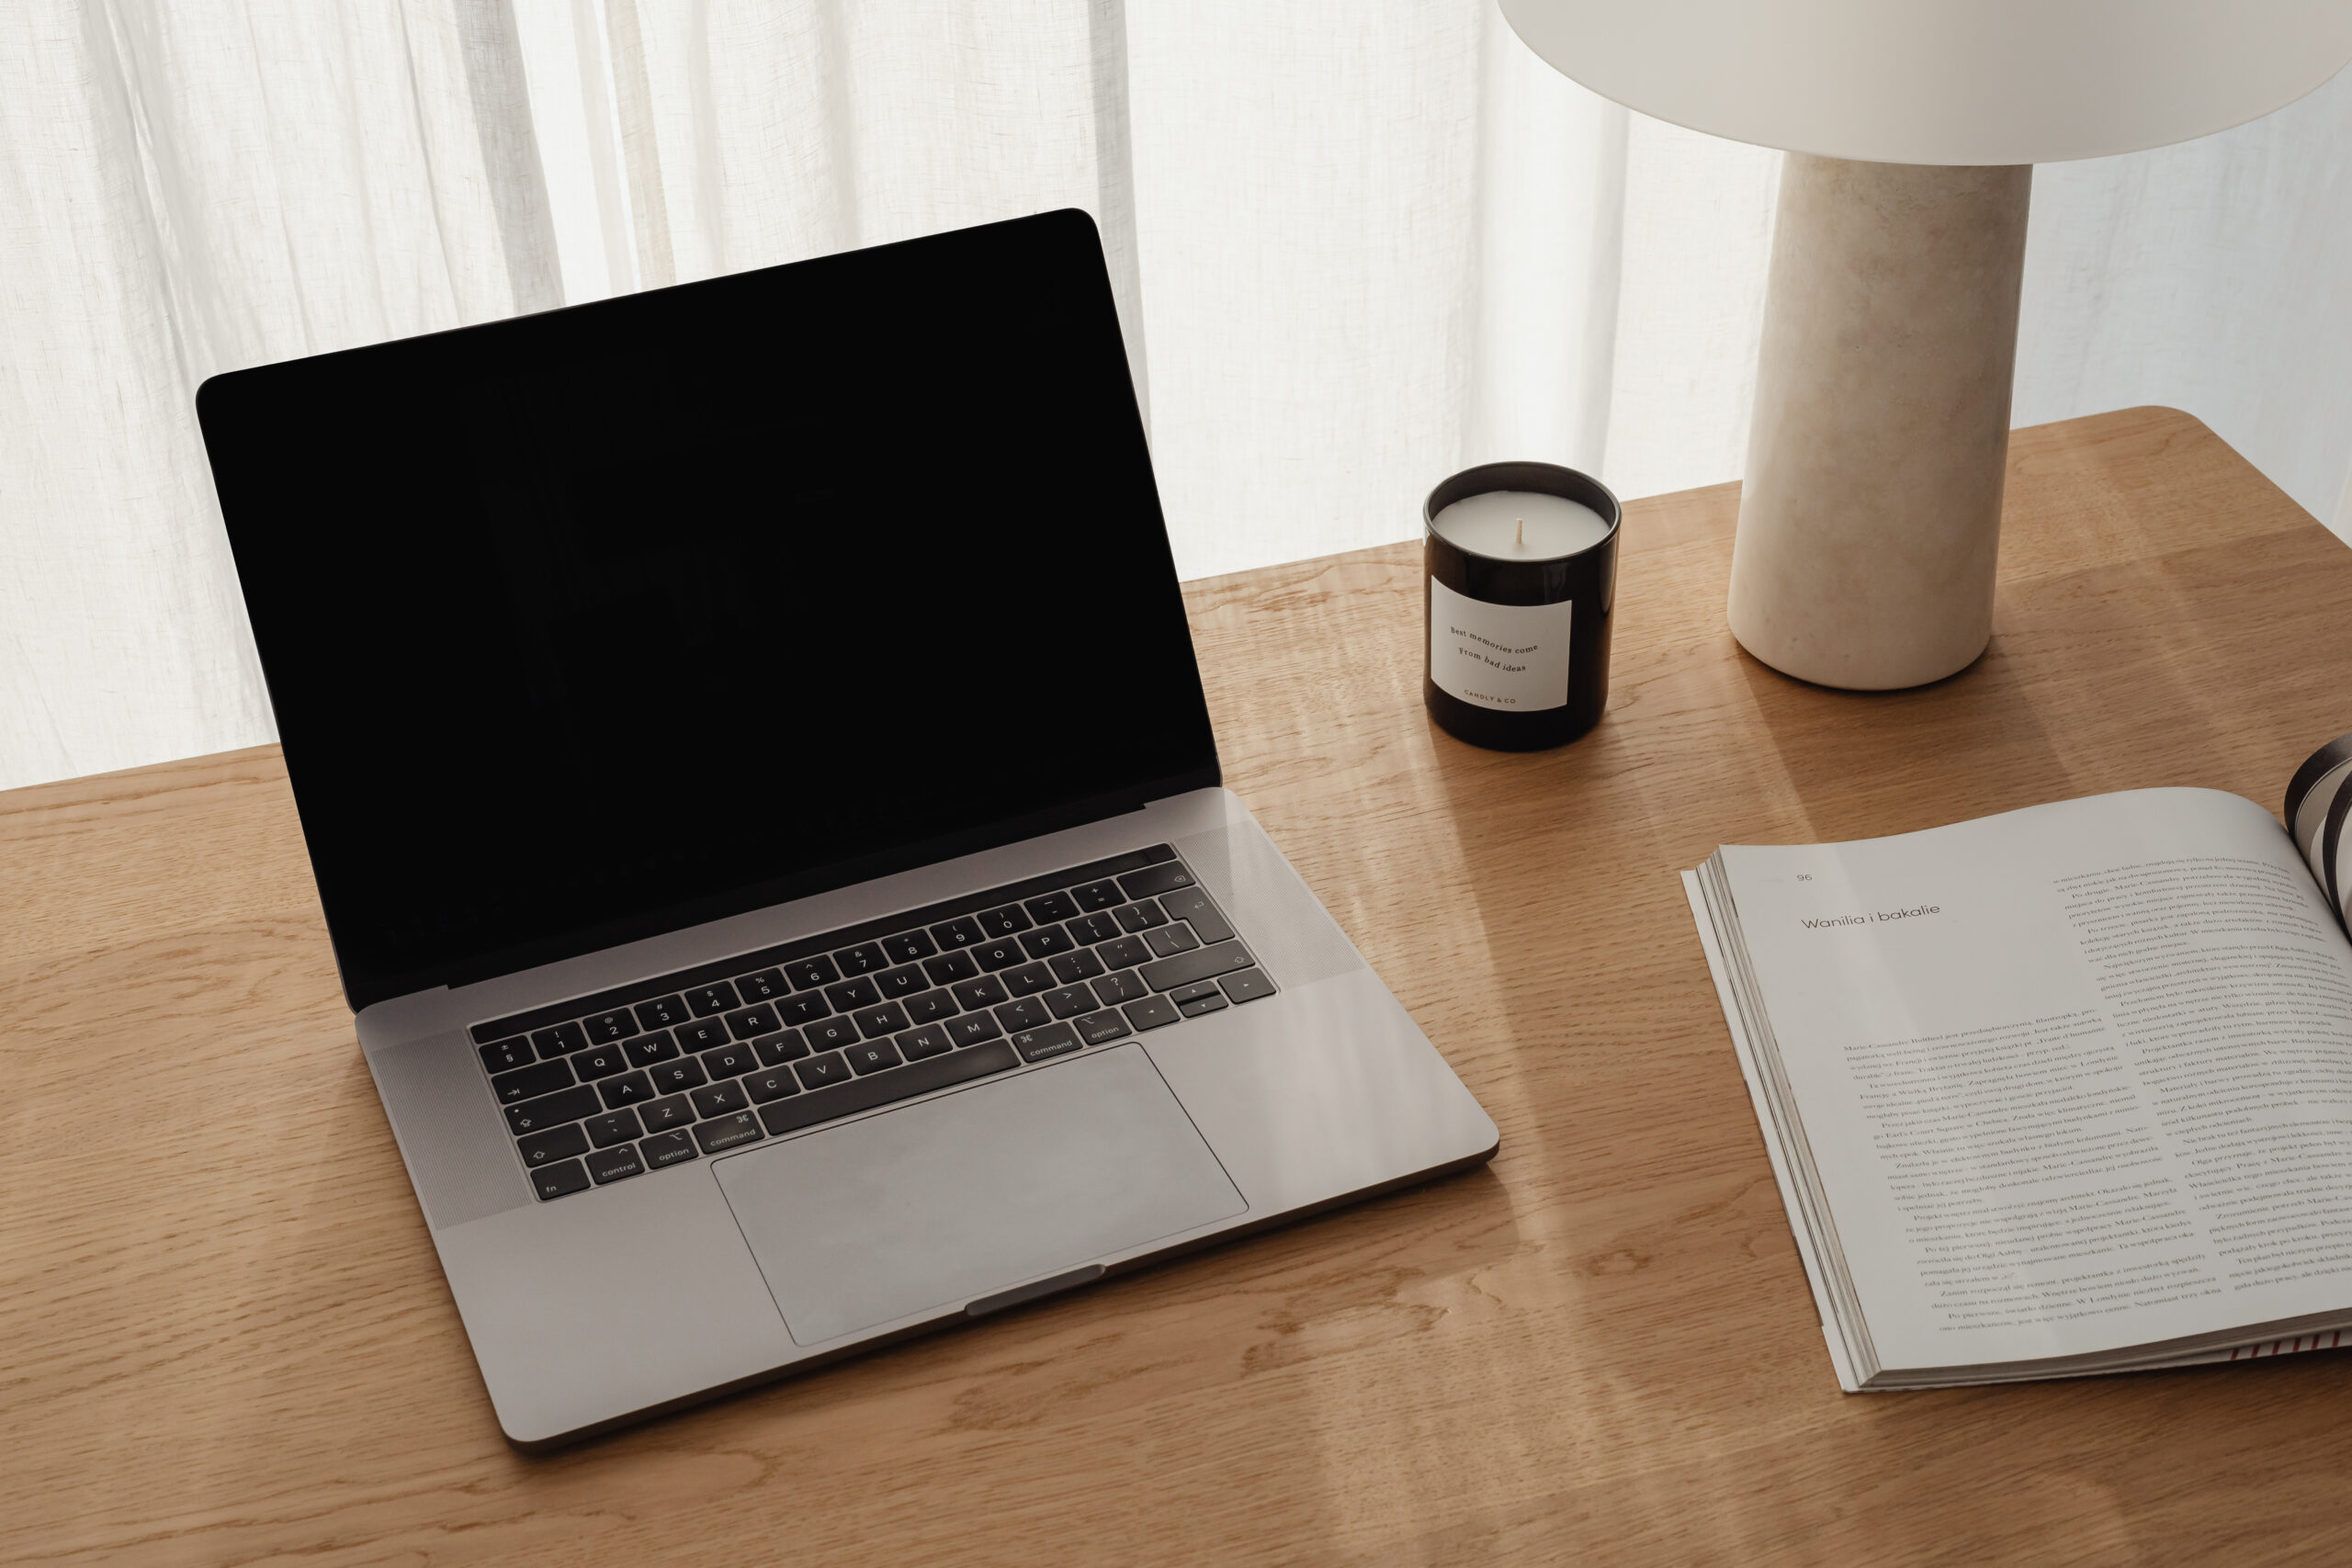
[1511,657]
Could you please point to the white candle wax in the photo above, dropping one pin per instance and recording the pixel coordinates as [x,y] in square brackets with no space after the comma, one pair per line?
[1519,525]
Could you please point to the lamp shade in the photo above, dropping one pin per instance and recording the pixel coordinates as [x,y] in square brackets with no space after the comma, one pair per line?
[1945,81]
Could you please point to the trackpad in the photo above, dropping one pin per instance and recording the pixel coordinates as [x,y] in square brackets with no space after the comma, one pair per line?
[960,1197]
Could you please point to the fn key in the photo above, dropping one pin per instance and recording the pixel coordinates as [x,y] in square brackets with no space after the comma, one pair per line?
[559,1180]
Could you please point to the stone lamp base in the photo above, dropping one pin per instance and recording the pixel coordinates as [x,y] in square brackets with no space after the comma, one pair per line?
[1871,513]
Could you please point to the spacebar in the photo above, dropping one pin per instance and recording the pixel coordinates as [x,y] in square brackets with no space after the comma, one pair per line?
[897,1083]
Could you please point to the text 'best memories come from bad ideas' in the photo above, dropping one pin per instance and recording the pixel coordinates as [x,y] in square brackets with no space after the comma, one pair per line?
[1873,917]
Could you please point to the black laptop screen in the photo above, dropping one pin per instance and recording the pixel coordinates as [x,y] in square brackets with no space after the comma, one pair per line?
[589,625]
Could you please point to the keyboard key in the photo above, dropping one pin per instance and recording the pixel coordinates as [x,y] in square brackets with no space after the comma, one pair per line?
[668,1148]
[555,1144]
[600,1062]
[669,1111]
[1069,1001]
[1072,967]
[1097,1027]
[1125,986]
[702,1035]
[529,1083]
[607,1027]
[1248,986]
[1183,994]
[917,1044]
[1170,940]
[1104,895]
[1151,879]
[1028,980]
[716,997]
[648,1049]
[1201,964]
[727,1131]
[875,1022]
[908,946]
[872,1056]
[612,1127]
[749,1021]
[1052,907]
[767,986]
[500,1056]
[1214,1002]
[1091,929]
[974,995]
[1026,1014]
[627,1090]
[674,1078]
[719,1099]
[661,1012]
[1052,1040]
[728,1061]
[972,1028]
[807,1007]
[612,1165]
[1004,921]
[950,967]
[560,1180]
[828,1034]
[560,1041]
[770,1083]
[961,932]
[999,952]
[552,1109]
[903,981]
[930,1006]
[861,992]
[821,1072]
[862,1094]
[1123,954]
[864,959]
[775,1050]
[1151,1012]
[1139,917]
[1046,941]
[1193,904]
[807,974]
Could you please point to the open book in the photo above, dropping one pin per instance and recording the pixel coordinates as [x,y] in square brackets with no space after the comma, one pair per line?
[2063,1090]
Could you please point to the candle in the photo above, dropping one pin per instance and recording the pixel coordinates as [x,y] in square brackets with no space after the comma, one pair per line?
[1520,524]
[1520,561]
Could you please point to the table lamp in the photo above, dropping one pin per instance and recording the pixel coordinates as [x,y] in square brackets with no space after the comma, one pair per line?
[1871,510]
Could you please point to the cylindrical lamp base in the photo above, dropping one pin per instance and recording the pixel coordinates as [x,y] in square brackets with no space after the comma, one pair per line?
[1871,518]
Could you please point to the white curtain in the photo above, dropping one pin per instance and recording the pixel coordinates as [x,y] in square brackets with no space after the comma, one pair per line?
[1356,245]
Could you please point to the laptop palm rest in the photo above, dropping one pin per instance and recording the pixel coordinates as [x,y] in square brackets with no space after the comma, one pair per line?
[965,1195]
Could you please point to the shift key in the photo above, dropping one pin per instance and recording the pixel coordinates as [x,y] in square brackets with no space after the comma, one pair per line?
[1201,964]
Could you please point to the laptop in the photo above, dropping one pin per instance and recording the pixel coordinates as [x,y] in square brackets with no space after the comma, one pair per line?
[749,742]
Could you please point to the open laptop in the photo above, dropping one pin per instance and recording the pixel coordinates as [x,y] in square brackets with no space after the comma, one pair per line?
[749,742]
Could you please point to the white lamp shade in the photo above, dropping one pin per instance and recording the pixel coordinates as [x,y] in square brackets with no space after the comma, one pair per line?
[1945,81]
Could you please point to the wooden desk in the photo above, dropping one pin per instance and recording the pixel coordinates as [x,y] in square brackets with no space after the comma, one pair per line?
[225,1339]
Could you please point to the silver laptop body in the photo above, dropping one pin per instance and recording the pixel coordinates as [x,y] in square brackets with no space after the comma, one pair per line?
[669,1288]
[1144,1034]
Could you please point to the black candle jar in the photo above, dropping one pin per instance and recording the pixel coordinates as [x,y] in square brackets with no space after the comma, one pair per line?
[1496,629]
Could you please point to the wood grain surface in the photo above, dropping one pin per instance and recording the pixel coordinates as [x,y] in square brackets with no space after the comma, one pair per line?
[224,1338]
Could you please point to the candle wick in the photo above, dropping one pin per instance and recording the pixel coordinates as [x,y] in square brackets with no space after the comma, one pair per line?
[1522,542]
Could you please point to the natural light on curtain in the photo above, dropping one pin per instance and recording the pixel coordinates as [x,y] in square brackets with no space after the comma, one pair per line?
[1357,244]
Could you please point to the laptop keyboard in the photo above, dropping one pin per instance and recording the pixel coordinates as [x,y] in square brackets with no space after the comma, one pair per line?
[609,1087]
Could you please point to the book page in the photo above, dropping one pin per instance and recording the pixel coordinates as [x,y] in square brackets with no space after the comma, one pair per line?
[2075,1078]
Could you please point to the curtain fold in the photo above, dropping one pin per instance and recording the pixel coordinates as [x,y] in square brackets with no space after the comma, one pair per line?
[1367,243]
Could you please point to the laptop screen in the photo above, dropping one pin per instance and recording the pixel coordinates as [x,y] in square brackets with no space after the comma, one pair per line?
[589,624]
